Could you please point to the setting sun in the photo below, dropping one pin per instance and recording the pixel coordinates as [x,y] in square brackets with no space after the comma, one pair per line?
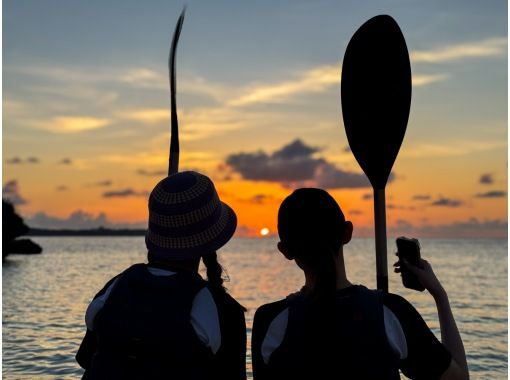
[264,231]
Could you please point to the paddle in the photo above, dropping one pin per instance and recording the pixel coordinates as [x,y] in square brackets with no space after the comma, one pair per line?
[376,98]
[173,158]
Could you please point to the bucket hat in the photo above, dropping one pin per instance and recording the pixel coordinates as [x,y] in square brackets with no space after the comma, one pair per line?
[186,218]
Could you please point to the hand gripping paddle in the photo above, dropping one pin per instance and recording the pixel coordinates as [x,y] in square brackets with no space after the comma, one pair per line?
[173,159]
[376,98]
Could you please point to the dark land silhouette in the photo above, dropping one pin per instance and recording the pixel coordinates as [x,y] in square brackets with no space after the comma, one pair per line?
[12,228]
[100,231]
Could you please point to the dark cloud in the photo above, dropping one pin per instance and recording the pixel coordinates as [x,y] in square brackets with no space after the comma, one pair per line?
[10,191]
[367,196]
[294,165]
[62,188]
[486,179]
[471,228]
[18,160]
[259,198]
[14,160]
[447,202]
[491,194]
[355,212]
[104,183]
[124,193]
[153,173]
[78,220]
[65,161]
[421,197]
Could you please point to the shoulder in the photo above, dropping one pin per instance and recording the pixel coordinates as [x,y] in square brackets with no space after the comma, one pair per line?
[224,301]
[269,311]
[399,306]
[264,316]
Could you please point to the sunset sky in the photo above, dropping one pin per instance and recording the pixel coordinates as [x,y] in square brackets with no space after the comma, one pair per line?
[86,110]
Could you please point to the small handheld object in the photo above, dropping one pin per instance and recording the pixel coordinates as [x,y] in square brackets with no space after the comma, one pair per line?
[409,249]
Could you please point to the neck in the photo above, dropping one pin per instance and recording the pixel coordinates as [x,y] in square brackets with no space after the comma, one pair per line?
[341,277]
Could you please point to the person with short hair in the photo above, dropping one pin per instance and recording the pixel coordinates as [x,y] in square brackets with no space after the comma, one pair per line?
[332,329]
[161,320]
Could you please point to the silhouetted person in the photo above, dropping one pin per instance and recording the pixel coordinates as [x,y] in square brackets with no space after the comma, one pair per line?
[161,320]
[332,329]
[13,227]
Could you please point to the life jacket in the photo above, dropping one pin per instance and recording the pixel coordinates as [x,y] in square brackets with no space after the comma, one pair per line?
[347,341]
[144,329]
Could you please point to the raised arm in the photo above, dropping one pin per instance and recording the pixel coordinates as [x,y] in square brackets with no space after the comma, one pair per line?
[450,336]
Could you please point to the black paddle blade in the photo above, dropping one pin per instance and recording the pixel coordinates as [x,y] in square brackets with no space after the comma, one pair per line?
[173,159]
[376,96]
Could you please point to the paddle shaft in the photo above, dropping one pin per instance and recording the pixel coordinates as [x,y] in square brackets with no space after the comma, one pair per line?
[381,253]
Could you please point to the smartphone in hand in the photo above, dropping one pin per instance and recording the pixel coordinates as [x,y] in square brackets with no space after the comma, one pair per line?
[409,249]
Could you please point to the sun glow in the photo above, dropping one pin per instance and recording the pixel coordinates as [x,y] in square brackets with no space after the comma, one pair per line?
[264,231]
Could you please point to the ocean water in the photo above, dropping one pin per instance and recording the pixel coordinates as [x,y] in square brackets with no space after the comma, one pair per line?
[45,296]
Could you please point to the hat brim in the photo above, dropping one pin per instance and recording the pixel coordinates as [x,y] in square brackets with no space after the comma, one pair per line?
[224,230]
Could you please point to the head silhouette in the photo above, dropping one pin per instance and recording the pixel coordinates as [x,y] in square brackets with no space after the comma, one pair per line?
[312,230]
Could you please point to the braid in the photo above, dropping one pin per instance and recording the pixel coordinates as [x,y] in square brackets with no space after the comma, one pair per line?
[214,270]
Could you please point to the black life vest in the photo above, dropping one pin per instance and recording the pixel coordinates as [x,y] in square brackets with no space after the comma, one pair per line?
[348,343]
[144,330]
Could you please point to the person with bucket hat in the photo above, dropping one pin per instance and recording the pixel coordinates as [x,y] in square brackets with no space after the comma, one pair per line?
[161,319]
[332,329]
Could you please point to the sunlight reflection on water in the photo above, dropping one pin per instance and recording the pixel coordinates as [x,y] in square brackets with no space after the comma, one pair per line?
[45,296]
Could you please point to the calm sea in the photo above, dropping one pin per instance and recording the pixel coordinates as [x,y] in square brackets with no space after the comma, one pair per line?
[45,296]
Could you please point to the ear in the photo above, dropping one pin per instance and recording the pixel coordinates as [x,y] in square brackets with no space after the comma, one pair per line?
[285,251]
[347,232]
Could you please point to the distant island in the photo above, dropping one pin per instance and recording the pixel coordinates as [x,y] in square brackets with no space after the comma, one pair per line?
[100,231]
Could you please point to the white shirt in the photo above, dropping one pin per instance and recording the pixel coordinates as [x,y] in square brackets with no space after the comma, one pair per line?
[276,333]
[204,314]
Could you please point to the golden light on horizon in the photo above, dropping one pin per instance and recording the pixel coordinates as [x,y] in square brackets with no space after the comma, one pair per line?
[264,231]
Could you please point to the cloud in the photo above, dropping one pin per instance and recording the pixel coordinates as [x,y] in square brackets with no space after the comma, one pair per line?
[316,79]
[62,188]
[447,202]
[147,115]
[425,79]
[471,228]
[367,196]
[259,198]
[491,194]
[421,197]
[10,191]
[65,161]
[448,149]
[13,161]
[124,193]
[486,179]
[18,160]
[78,220]
[104,183]
[485,48]
[153,173]
[71,124]
[294,165]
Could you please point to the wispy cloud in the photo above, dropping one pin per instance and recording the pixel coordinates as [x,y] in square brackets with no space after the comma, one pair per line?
[425,79]
[124,193]
[447,202]
[71,124]
[313,80]
[492,194]
[485,48]
[459,148]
